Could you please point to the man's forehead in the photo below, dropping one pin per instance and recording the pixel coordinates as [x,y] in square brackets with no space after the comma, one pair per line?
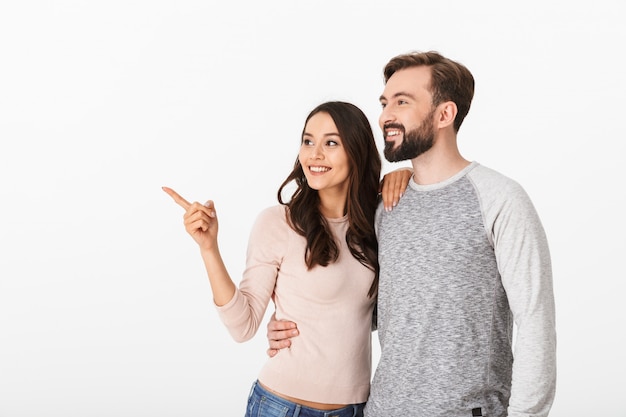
[407,82]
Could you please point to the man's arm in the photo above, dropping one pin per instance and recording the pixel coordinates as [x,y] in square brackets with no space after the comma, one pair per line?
[279,334]
[523,258]
[392,187]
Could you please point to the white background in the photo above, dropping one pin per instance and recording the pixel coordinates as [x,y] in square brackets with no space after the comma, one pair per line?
[105,309]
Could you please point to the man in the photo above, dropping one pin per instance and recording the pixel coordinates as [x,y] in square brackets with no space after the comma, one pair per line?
[463,256]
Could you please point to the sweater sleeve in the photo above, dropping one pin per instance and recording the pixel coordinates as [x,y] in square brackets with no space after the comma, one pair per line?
[523,258]
[268,241]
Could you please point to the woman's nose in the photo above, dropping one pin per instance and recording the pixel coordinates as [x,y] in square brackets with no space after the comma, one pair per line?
[317,152]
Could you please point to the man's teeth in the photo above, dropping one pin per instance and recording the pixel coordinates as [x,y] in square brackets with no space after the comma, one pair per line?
[393,133]
[319,169]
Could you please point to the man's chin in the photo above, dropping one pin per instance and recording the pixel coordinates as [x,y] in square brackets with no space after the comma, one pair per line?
[394,154]
[390,157]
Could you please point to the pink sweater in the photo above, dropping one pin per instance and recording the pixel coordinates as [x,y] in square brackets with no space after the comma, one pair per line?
[330,361]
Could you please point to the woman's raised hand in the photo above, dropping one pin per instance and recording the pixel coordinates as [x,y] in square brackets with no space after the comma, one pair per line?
[200,220]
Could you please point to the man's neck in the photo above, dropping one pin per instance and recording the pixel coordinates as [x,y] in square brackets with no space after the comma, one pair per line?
[437,165]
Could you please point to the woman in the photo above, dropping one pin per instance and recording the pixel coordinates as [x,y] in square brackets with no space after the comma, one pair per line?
[315,255]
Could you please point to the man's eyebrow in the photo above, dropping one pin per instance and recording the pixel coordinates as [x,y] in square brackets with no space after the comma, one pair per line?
[398,94]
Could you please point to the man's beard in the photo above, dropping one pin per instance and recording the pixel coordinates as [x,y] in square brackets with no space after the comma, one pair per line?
[414,143]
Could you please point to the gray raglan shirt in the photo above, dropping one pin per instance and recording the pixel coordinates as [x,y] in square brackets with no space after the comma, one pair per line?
[461,261]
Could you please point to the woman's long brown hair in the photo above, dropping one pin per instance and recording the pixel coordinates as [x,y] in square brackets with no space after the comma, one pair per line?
[303,211]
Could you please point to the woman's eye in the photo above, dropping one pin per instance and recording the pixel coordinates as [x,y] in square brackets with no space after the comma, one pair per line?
[307,142]
[332,143]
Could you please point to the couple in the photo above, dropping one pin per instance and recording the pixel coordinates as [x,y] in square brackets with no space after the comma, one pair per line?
[449,268]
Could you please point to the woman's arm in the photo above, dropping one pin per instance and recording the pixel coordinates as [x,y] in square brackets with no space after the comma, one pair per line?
[201,223]
[393,185]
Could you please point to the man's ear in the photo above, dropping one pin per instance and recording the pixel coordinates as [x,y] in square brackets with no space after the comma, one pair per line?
[447,114]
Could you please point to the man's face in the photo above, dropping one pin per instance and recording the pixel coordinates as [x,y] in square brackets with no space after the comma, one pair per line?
[407,119]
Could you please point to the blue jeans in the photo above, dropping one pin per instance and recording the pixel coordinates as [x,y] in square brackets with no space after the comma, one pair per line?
[262,403]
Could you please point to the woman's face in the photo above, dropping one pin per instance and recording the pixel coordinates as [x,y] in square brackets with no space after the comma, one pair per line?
[323,156]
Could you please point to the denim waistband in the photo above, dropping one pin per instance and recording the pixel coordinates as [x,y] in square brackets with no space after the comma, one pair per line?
[296,410]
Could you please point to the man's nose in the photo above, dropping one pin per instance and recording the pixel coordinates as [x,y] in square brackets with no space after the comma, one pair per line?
[386,116]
